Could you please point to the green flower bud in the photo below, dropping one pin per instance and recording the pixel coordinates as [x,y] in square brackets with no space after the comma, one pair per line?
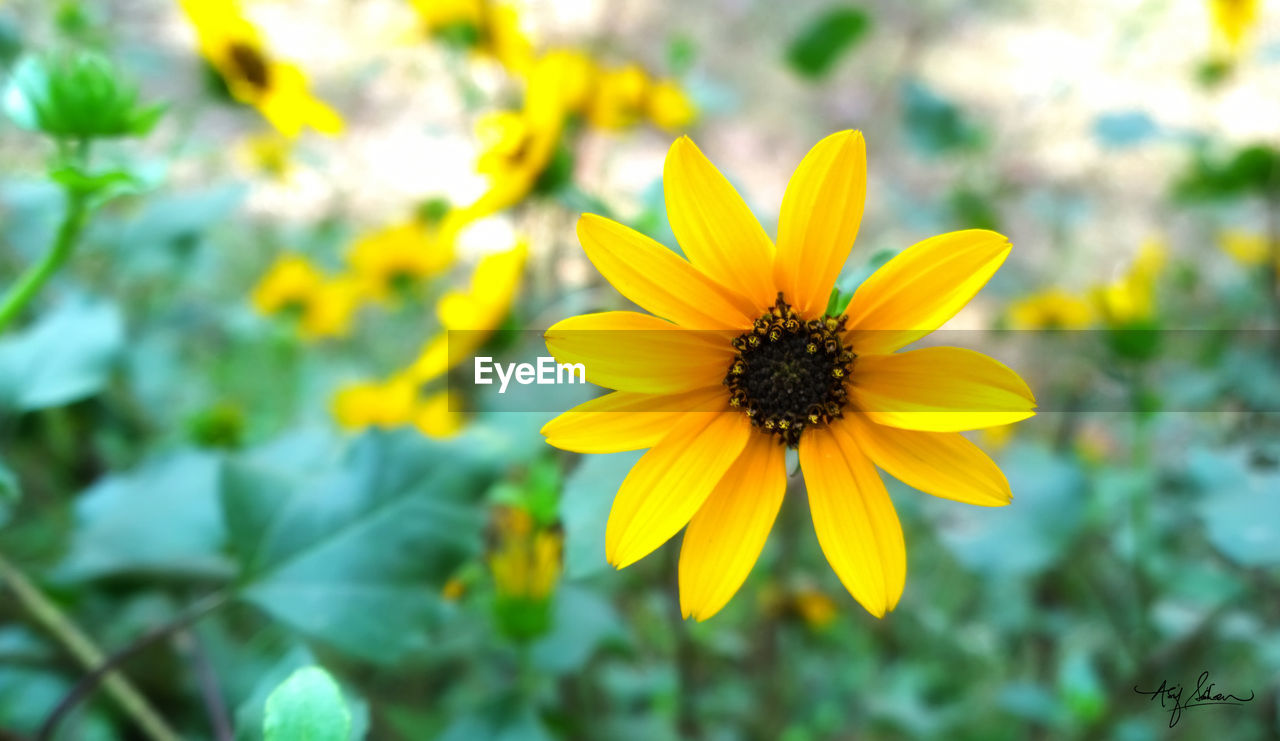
[78,96]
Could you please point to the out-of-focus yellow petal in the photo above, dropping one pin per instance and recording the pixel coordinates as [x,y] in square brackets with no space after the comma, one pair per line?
[628,421]
[939,389]
[716,230]
[670,482]
[656,278]
[920,289]
[291,281]
[1245,248]
[856,524]
[729,530]
[433,417]
[331,310]
[943,464]
[821,211]
[628,351]
[1052,309]
[669,107]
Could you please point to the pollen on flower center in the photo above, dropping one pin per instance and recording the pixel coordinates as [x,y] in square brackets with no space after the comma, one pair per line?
[790,373]
[251,65]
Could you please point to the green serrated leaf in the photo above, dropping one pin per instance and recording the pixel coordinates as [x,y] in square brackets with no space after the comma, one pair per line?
[354,552]
[308,706]
[828,37]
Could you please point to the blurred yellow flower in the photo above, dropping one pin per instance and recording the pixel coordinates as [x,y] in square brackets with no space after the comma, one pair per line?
[668,106]
[234,47]
[472,315]
[490,27]
[575,72]
[453,589]
[1131,299]
[517,146]
[1233,20]
[526,557]
[618,98]
[434,418]
[322,306]
[1051,309]
[396,257]
[269,153]
[815,607]
[386,404]
[1250,250]
[997,438]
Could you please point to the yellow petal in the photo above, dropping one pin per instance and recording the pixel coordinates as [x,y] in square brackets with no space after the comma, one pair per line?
[670,482]
[920,289]
[856,524]
[821,211]
[628,351]
[943,464]
[726,535]
[627,421]
[434,418]
[657,279]
[941,389]
[714,226]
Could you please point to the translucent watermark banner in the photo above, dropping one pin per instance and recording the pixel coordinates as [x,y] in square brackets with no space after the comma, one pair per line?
[1131,370]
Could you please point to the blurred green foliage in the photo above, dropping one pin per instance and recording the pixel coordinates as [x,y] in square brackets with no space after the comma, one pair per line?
[825,39]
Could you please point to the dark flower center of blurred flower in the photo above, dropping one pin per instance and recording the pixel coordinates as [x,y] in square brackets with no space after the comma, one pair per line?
[251,65]
[789,373]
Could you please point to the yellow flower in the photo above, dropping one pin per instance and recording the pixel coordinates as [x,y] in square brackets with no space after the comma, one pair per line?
[1131,299]
[472,315]
[434,418]
[997,438]
[526,558]
[438,16]
[1052,309]
[270,154]
[618,98]
[739,335]
[280,92]
[668,106]
[1250,250]
[388,404]
[815,608]
[575,74]
[517,146]
[400,255]
[1233,20]
[292,285]
[491,28]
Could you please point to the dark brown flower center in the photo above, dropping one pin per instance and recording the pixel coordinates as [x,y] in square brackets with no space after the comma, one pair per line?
[790,373]
[250,64]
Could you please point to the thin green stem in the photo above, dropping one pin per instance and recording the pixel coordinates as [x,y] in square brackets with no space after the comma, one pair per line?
[49,616]
[21,293]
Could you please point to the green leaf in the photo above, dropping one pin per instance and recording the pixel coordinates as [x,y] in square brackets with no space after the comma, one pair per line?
[581,621]
[162,519]
[936,125]
[584,509]
[10,492]
[354,553]
[826,38]
[308,706]
[1027,535]
[269,672]
[67,356]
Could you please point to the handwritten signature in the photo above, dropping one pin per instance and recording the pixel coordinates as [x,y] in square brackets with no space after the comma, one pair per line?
[1202,695]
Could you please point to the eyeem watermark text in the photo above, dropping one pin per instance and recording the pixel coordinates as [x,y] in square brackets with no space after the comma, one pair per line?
[546,372]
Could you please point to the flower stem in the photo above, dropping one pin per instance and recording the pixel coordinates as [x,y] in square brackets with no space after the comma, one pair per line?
[21,293]
[45,612]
